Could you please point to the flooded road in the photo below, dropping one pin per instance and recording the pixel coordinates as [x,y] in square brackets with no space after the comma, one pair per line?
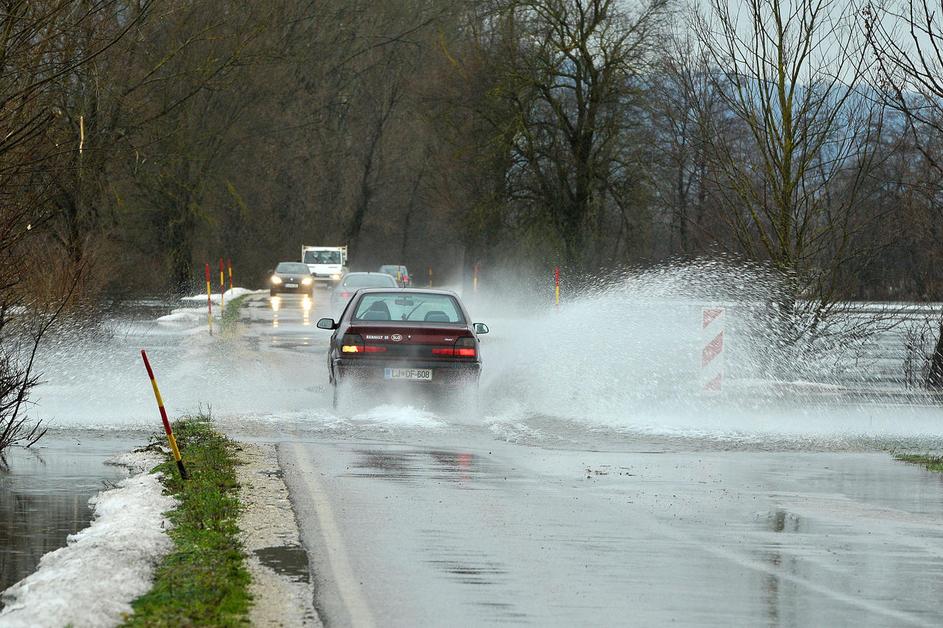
[598,486]
[481,532]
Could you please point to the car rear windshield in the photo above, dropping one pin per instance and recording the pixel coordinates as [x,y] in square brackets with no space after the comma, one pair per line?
[369,281]
[296,268]
[414,307]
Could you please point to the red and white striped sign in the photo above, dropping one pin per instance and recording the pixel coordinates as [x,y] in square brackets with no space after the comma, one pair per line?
[712,352]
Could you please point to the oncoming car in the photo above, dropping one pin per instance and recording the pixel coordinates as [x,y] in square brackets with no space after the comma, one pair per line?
[353,282]
[290,278]
[404,337]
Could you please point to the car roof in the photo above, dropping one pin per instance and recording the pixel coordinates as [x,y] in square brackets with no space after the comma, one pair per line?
[450,293]
[364,272]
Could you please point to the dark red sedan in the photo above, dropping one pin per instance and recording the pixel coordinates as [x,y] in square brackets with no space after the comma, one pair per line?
[422,338]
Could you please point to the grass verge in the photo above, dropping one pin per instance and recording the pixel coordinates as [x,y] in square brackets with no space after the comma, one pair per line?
[933,463]
[203,581]
[231,312]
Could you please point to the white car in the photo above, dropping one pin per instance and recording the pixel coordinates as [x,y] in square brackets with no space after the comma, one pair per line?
[353,282]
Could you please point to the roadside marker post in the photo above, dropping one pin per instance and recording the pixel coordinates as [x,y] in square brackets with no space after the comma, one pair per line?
[229,263]
[163,417]
[556,286]
[713,322]
[222,288]
[209,300]
[475,278]
[430,276]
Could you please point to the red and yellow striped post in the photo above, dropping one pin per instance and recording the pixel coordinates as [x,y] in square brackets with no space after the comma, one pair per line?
[163,417]
[209,300]
[229,263]
[556,285]
[222,288]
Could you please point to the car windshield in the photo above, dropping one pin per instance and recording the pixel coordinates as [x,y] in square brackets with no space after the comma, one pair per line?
[322,257]
[357,280]
[413,307]
[294,268]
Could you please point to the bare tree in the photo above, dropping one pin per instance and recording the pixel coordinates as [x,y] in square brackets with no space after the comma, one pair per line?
[907,41]
[791,184]
[571,89]
[32,34]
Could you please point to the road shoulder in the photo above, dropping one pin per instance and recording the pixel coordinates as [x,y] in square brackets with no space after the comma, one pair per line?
[282,588]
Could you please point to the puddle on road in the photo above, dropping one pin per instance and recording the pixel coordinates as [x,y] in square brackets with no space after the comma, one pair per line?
[44,495]
[287,560]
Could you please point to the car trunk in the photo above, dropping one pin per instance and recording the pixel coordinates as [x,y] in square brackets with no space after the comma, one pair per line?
[401,341]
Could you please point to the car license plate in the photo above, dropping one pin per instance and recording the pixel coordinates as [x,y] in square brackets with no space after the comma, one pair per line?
[291,285]
[423,375]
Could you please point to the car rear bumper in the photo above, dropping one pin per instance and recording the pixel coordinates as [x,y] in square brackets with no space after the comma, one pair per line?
[373,371]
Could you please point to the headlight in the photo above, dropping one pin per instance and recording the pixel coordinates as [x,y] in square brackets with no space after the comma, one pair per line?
[276,279]
[306,281]
[335,277]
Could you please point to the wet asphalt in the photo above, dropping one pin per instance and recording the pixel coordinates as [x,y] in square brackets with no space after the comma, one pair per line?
[455,526]
[485,533]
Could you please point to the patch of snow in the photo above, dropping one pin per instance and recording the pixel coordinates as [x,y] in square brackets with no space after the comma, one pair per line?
[103,568]
[187,315]
[229,294]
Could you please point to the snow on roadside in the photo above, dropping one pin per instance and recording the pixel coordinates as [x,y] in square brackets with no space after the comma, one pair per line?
[196,312]
[230,294]
[103,568]
[187,315]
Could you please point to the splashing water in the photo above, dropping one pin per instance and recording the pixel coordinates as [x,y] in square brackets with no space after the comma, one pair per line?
[624,357]
[628,355]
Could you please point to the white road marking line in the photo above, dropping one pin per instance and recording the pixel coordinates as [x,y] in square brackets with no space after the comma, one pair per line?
[347,584]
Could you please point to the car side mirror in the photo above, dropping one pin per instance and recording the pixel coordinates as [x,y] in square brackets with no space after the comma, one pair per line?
[327,323]
[271,271]
[481,328]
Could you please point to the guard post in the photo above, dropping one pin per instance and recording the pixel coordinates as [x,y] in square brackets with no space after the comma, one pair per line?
[209,300]
[163,417]
[556,285]
[222,288]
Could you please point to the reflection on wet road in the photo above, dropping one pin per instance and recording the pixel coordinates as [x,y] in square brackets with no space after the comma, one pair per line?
[485,532]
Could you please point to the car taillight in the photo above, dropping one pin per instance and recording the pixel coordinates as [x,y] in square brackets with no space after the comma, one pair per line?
[353,343]
[463,348]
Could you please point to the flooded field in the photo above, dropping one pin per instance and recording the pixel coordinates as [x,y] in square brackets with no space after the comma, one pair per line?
[44,493]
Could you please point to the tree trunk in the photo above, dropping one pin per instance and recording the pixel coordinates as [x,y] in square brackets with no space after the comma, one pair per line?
[935,375]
